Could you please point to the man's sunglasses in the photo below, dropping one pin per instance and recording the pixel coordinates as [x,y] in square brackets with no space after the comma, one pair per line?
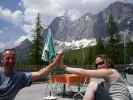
[100,63]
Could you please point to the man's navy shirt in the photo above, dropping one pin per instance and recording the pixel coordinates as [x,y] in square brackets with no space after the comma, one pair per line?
[9,86]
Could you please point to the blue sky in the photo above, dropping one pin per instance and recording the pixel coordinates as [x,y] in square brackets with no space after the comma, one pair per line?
[17,17]
[11,4]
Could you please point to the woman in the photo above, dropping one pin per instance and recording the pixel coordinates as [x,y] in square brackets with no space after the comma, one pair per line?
[113,87]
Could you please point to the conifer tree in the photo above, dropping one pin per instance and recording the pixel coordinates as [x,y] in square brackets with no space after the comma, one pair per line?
[113,40]
[100,47]
[37,43]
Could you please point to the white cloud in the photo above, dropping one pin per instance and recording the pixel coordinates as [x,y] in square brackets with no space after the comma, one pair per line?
[19,40]
[6,45]
[1,31]
[22,38]
[15,17]
[2,45]
[28,28]
[49,9]
[20,4]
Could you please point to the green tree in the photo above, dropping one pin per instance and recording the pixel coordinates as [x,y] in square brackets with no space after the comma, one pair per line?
[37,43]
[130,51]
[112,46]
[100,47]
[112,28]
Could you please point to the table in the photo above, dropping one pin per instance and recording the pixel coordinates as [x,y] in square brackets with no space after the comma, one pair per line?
[68,79]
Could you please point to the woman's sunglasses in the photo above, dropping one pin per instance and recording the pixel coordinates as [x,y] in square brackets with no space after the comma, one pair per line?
[100,63]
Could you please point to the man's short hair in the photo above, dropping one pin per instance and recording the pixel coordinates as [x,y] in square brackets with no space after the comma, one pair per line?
[12,50]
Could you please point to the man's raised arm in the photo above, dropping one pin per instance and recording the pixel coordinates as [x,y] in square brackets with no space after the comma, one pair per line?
[44,71]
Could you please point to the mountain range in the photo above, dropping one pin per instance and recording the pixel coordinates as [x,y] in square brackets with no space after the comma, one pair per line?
[92,26]
[86,28]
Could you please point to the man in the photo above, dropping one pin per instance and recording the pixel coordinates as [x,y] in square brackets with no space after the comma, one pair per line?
[11,81]
[113,87]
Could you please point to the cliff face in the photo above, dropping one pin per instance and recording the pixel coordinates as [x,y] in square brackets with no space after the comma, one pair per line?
[91,26]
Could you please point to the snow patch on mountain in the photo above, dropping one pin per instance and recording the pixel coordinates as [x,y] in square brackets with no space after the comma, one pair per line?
[75,44]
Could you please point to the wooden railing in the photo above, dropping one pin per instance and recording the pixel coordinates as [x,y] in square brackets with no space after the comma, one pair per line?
[29,68]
